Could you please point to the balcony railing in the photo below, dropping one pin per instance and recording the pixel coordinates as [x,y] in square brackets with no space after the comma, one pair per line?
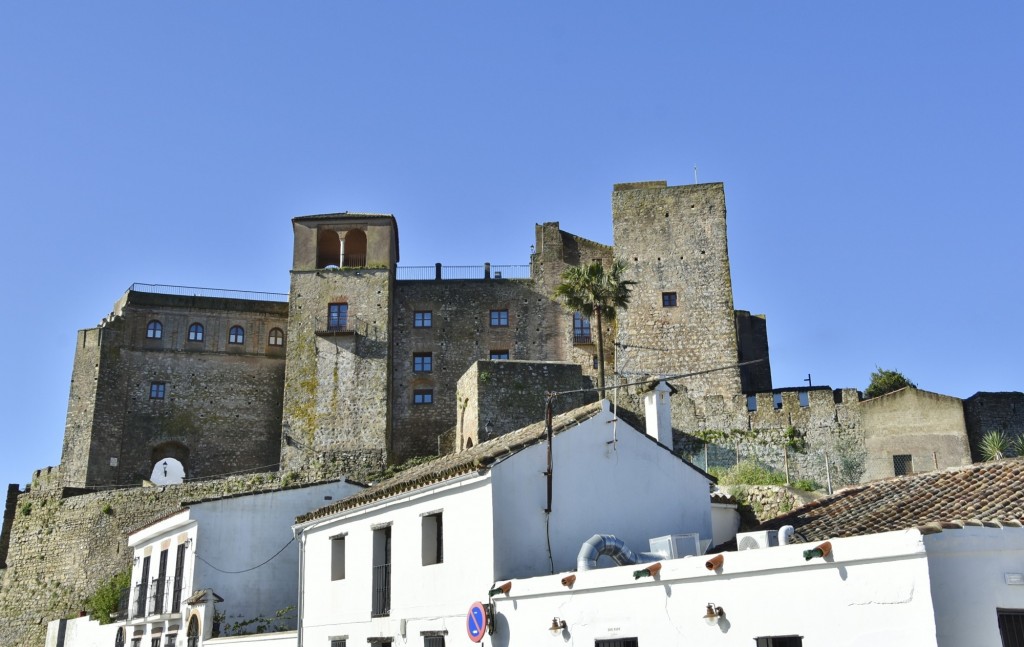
[353,260]
[182,290]
[582,339]
[158,596]
[381,590]
[348,325]
[139,606]
[441,272]
[122,604]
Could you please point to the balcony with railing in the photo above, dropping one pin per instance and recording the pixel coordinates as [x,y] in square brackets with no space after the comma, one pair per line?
[157,597]
[381,590]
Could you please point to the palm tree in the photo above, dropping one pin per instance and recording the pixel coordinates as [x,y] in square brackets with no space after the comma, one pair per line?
[595,292]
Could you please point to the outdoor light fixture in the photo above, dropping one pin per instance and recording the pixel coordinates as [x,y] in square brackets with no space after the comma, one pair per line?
[713,614]
[557,626]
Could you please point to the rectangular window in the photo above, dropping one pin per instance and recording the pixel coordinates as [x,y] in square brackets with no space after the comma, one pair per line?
[338,642]
[136,642]
[777,400]
[157,390]
[422,362]
[337,316]
[804,398]
[751,403]
[580,329]
[160,584]
[423,396]
[618,642]
[499,318]
[1011,627]
[433,539]
[179,578]
[337,558]
[433,641]
[668,299]
[154,641]
[381,586]
[902,464]
[597,361]
[422,319]
[499,354]
[780,641]
[171,639]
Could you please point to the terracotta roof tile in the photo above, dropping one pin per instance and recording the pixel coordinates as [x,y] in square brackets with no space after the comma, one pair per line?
[986,494]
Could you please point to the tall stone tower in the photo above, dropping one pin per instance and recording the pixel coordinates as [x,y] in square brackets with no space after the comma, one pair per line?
[680,318]
[336,415]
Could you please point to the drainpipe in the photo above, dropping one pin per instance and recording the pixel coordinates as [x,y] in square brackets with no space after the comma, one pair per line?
[302,583]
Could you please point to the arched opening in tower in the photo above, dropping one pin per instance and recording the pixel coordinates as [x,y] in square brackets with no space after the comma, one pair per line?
[169,464]
[355,249]
[328,248]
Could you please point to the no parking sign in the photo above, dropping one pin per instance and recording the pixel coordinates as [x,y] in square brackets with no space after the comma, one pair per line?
[476,622]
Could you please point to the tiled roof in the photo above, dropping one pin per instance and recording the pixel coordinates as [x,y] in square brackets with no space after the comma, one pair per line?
[981,494]
[478,458]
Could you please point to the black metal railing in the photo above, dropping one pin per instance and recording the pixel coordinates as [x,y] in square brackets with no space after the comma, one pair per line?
[580,339]
[157,595]
[381,590]
[353,260]
[439,272]
[176,594]
[139,608]
[346,325]
[185,291]
[122,604]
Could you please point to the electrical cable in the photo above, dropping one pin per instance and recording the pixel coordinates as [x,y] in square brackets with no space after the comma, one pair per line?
[219,570]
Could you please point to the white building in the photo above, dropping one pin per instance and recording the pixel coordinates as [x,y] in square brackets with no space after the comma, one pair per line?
[400,562]
[230,559]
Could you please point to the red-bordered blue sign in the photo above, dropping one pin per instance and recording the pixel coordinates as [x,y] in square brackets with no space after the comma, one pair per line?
[476,622]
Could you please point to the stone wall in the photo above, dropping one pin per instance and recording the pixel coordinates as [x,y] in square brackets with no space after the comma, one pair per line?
[759,503]
[220,409]
[680,318]
[460,334]
[752,342]
[986,412]
[497,397]
[61,550]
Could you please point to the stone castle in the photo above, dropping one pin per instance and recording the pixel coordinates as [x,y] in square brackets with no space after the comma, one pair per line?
[366,363]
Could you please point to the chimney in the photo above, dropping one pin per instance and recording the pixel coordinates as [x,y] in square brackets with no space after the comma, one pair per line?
[659,413]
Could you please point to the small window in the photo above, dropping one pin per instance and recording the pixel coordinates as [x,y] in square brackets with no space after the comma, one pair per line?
[597,361]
[171,640]
[154,641]
[157,390]
[499,354]
[751,403]
[1011,626]
[668,299]
[433,641]
[422,362]
[276,337]
[338,558]
[780,641]
[433,543]
[580,328]
[902,464]
[423,396]
[236,335]
[337,316]
[804,398]
[422,319]
[154,330]
[499,318]
[337,642]
[137,642]
[195,332]
[618,642]
[777,400]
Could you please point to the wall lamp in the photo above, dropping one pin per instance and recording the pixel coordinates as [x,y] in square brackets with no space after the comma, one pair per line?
[557,626]
[713,614]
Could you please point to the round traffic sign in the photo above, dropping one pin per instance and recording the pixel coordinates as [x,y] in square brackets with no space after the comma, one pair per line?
[476,622]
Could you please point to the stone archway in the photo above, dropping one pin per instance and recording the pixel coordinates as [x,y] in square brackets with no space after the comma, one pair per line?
[169,463]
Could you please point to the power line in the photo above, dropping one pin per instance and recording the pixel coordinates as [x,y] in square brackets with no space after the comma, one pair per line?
[247,569]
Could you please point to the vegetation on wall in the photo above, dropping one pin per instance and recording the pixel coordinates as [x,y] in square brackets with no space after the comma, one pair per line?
[886,381]
[995,445]
[103,602]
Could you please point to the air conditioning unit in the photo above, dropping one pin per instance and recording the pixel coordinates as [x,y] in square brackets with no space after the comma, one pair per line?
[676,546]
[755,540]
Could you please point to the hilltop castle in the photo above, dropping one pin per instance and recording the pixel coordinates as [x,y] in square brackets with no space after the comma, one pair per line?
[365,363]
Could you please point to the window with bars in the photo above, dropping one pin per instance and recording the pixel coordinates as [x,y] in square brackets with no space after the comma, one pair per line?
[381,585]
[433,539]
[422,362]
[580,329]
[338,642]
[617,642]
[902,464]
[171,640]
[779,641]
[433,641]
[1011,627]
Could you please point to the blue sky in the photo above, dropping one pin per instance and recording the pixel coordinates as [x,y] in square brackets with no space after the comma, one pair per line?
[872,152]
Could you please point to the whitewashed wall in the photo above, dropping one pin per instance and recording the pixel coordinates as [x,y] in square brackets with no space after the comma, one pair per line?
[426,598]
[239,533]
[968,582]
[81,632]
[874,591]
[606,481]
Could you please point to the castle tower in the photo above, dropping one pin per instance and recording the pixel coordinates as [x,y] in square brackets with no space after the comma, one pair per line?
[680,318]
[336,416]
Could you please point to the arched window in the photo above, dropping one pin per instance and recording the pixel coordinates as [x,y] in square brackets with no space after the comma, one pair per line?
[119,638]
[328,248]
[154,330]
[236,335]
[276,337]
[193,632]
[195,332]
[355,249]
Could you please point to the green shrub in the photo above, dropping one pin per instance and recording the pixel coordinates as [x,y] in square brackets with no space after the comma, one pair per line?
[26,508]
[108,509]
[749,472]
[807,485]
[104,600]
